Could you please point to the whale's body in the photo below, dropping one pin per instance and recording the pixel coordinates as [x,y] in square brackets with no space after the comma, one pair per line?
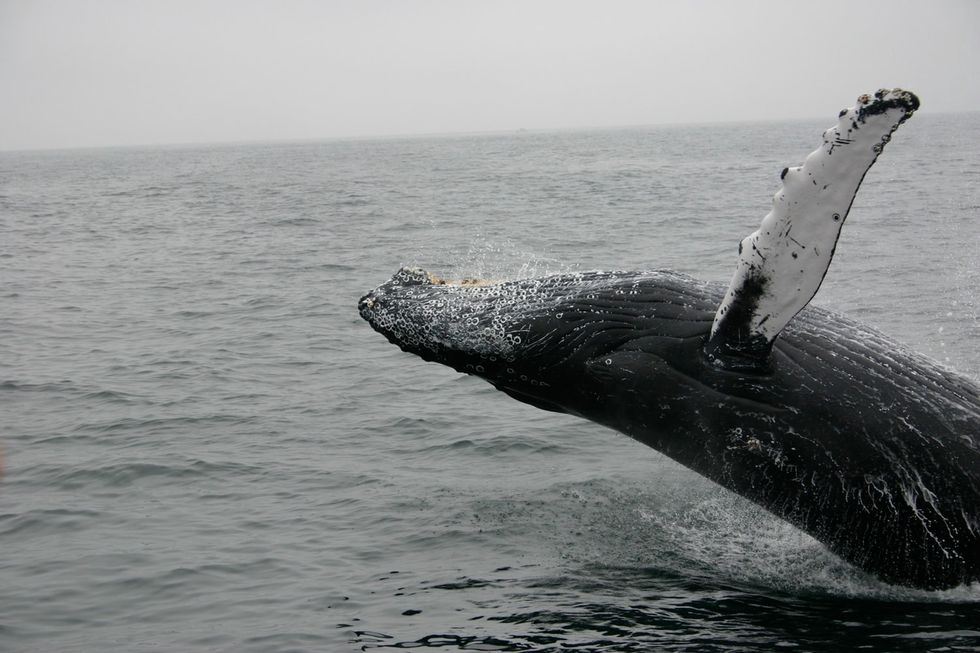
[872,449]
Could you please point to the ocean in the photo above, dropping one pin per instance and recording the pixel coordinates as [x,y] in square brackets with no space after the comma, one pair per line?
[205,448]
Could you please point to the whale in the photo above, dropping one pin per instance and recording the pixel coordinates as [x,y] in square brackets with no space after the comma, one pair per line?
[867,446]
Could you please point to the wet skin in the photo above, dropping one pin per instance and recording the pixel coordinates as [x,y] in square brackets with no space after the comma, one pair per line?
[868,447]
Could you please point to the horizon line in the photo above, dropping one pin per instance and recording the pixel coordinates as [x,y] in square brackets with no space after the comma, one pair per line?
[414,135]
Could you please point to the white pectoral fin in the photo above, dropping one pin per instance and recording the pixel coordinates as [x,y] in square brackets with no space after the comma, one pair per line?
[781,265]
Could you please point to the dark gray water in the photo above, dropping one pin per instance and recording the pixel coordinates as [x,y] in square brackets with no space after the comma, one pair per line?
[206,449]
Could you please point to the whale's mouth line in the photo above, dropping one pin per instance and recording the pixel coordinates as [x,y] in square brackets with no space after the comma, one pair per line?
[465,282]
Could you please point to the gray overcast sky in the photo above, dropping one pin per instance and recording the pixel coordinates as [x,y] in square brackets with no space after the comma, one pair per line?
[118,72]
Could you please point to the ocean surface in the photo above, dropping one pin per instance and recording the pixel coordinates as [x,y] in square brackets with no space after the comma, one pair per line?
[205,448]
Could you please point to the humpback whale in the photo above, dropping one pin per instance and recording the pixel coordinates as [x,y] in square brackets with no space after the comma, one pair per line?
[872,449]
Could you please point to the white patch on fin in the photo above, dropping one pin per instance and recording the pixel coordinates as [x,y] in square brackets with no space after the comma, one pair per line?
[781,265]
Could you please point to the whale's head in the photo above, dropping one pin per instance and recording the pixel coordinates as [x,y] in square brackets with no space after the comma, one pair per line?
[537,339]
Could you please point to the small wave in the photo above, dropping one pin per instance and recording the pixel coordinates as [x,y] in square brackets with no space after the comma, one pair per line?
[94,395]
[110,396]
[299,221]
[264,300]
[58,386]
[157,425]
[417,426]
[331,267]
[464,584]
[449,642]
[194,314]
[141,192]
[39,522]
[288,642]
[125,474]
[498,445]
[177,586]
[353,200]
